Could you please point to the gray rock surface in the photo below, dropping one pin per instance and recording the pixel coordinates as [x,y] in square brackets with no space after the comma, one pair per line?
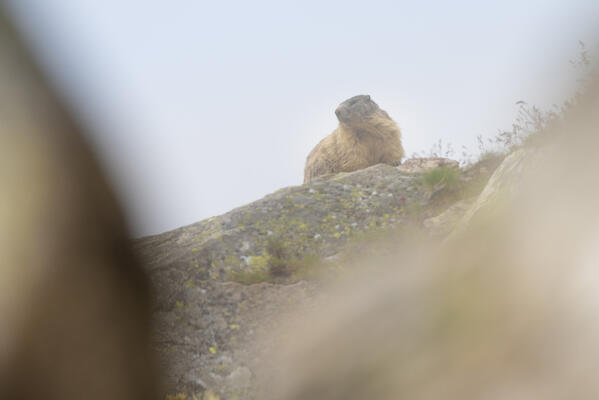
[502,185]
[207,324]
[445,222]
[207,340]
[316,218]
[419,165]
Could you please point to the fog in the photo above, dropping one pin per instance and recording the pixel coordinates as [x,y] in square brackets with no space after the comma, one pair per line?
[199,107]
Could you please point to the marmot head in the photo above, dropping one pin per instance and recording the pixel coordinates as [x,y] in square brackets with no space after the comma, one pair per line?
[356,110]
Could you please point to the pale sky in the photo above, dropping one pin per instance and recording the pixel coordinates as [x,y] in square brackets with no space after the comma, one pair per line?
[198,107]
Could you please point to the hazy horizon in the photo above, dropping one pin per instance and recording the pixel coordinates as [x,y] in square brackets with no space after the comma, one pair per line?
[196,108]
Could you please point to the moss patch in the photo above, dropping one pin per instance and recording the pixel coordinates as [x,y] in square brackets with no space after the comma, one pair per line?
[441,176]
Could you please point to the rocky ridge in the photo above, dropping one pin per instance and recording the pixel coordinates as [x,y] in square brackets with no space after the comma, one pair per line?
[205,321]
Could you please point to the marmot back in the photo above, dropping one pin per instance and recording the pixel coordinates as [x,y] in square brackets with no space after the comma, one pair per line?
[366,136]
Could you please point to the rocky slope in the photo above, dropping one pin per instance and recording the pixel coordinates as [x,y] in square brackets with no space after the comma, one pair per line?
[206,320]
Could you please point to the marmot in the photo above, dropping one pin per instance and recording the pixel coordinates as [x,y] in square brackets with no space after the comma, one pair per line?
[366,136]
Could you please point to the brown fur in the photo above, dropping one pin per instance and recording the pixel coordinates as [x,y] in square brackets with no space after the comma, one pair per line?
[366,136]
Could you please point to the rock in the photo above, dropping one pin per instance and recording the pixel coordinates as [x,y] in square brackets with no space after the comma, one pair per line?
[444,223]
[74,300]
[205,324]
[206,339]
[483,167]
[419,165]
[316,218]
[239,379]
[502,185]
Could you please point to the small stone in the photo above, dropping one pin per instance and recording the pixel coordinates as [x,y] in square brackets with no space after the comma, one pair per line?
[246,259]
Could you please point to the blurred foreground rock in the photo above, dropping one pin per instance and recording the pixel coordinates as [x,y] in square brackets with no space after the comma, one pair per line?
[74,301]
[505,308]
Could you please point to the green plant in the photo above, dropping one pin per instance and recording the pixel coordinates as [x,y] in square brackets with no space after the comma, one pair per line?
[277,264]
[441,176]
[254,274]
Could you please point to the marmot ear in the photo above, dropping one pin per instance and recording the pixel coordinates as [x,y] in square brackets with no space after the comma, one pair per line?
[337,113]
[368,96]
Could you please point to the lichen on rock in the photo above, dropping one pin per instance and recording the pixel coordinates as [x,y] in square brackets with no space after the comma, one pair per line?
[268,248]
